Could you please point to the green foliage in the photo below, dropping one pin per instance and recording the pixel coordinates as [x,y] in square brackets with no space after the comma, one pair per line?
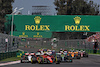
[5,8]
[76,7]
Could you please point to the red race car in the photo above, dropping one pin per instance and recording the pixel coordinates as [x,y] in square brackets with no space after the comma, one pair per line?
[46,58]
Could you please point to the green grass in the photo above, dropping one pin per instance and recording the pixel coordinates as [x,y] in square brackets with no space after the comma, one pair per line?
[10,59]
[94,54]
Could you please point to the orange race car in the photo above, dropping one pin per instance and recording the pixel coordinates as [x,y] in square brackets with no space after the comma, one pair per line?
[75,54]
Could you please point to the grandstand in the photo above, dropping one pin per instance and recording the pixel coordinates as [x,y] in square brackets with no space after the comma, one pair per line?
[94,37]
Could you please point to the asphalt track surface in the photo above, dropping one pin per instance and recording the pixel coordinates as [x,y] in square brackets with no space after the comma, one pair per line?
[91,61]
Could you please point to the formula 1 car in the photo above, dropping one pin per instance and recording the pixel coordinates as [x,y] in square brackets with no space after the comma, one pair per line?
[44,58]
[85,54]
[75,54]
[64,57]
[47,58]
[27,57]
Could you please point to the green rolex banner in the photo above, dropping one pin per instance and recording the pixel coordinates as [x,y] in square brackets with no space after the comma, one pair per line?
[42,26]
[58,23]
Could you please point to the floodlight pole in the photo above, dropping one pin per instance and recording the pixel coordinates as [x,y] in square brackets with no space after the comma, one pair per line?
[14,13]
[12,24]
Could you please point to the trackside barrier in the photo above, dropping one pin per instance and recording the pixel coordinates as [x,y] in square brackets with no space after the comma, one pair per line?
[98,51]
[90,51]
[20,53]
[8,43]
[7,55]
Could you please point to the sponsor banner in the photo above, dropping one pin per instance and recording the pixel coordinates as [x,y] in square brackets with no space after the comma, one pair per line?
[35,26]
[58,23]
[33,34]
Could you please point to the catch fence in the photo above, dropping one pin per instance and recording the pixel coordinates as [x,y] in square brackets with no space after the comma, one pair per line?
[64,44]
[8,43]
[8,46]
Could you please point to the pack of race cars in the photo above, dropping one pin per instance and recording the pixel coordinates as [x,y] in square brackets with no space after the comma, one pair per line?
[51,56]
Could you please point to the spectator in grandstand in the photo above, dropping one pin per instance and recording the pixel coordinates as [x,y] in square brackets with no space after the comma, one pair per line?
[95,46]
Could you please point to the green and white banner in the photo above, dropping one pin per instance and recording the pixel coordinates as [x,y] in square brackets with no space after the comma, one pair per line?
[58,23]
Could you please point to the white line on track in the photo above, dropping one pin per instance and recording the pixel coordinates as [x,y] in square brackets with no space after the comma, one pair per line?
[9,63]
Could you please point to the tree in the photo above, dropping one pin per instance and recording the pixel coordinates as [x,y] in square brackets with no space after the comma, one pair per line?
[5,8]
[74,7]
[8,24]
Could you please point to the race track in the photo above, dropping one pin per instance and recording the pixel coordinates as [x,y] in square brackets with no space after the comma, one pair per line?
[91,61]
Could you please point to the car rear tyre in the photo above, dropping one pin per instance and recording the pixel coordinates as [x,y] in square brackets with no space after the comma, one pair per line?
[21,61]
